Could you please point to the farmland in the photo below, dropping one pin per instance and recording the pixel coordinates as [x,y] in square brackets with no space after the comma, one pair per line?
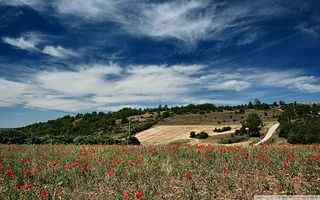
[170,134]
[157,172]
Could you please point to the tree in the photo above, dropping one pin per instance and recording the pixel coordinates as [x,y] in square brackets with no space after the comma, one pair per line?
[192,134]
[250,105]
[252,124]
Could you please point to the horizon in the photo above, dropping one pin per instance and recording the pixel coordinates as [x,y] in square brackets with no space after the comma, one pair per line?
[68,56]
[145,108]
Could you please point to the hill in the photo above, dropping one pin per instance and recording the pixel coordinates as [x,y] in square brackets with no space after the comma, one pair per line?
[121,127]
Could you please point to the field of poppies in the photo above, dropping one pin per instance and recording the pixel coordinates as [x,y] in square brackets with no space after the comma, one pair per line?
[157,172]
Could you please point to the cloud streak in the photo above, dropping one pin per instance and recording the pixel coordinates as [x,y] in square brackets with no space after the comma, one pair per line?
[32,42]
[111,85]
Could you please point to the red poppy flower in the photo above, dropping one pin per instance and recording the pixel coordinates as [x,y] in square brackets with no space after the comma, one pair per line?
[139,194]
[1,166]
[126,195]
[110,173]
[11,173]
[188,175]
[315,157]
[44,194]
[27,186]
[226,172]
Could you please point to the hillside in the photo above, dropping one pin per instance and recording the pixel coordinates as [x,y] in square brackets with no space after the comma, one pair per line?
[169,124]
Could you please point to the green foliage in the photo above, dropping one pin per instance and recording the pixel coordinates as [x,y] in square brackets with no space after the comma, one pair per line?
[234,139]
[300,123]
[192,134]
[305,131]
[223,129]
[252,125]
[201,135]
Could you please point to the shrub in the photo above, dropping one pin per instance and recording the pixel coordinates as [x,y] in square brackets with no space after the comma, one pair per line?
[253,124]
[201,135]
[192,134]
[223,129]
[133,141]
[304,131]
[234,139]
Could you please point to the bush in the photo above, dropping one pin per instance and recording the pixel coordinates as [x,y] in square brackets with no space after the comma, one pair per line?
[192,134]
[201,135]
[234,139]
[304,131]
[223,129]
[133,141]
[252,124]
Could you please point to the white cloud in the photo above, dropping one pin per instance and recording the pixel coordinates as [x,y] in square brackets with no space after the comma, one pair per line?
[110,86]
[58,51]
[232,85]
[190,21]
[11,92]
[289,79]
[177,19]
[313,31]
[50,102]
[32,3]
[92,9]
[85,81]
[31,42]
[21,43]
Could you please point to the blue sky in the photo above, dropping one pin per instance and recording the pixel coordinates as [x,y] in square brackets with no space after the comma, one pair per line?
[62,57]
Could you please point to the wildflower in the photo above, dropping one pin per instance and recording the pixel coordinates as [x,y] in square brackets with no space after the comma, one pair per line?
[157,194]
[44,194]
[72,165]
[139,194]
[28,172]
[110,173]
[86,167]
[25,160]
[225,172]
[131,162]
[188,175]
[11,173]
[314,158]
[126,195]
[1,166]
[286,163]
[27,186]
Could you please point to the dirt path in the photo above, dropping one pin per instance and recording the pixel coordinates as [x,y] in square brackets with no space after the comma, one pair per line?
[270,133]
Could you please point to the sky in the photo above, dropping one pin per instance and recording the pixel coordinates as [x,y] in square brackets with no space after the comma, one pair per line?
[60,57]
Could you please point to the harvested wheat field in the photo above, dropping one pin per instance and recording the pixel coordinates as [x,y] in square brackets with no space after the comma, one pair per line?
[170,134]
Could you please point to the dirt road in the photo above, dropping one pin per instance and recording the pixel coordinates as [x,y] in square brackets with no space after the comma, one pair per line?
[271,131]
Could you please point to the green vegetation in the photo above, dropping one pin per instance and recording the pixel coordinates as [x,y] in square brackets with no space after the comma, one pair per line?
[300,124]
[251,126]
[234,139]
[201,135]
[223,129]
[162,172]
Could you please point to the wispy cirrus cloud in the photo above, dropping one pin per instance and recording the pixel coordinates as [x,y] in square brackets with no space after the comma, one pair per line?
[189,21]
[32,3]
[21,43]
[33,42]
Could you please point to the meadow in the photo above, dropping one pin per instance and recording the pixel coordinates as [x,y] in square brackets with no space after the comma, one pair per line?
[157,172]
